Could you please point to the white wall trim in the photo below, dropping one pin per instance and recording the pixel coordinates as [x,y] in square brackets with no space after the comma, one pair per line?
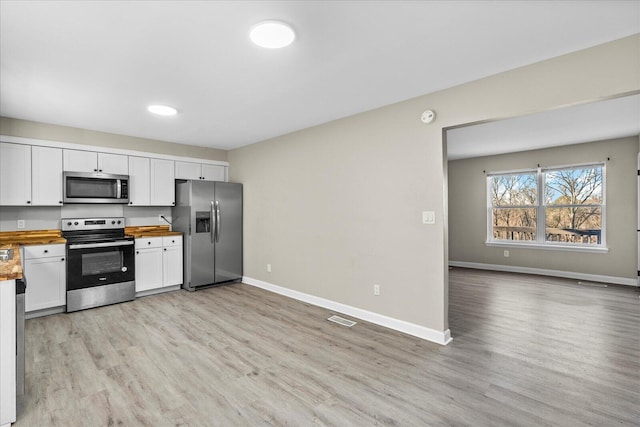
[156,291]
[545,272]
[101,149]
[425,333]
[548,246]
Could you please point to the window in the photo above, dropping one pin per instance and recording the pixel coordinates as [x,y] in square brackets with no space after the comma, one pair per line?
[559,206]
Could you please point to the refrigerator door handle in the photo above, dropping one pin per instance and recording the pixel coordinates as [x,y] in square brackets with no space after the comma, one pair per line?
[215,226]
[218,222]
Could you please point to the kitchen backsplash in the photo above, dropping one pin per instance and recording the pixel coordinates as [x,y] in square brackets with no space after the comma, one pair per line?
[48,217]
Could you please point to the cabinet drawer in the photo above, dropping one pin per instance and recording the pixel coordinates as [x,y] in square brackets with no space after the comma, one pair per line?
[171,241]
[43,251]
[148,242]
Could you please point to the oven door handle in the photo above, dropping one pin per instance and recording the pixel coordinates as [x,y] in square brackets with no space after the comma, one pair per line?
[101,245]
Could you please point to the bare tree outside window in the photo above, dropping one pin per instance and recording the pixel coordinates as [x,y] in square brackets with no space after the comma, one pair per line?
[570,211]
[573,198]
[514,198]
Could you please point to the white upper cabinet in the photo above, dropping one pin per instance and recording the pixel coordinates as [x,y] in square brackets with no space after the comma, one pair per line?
[80,161]
[139,181]
[206,172]
[113,163]
[90,161]
[32,175]
[188,170]
[151,182]
[46,175]
[15,174]
[214,172]
[163,188]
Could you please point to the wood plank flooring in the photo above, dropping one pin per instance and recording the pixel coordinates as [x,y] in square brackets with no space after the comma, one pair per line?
[527,351]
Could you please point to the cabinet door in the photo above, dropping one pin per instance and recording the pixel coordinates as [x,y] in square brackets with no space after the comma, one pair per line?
[7,352]
[214,172]
[188,170]
[139,184]
[46,284]
[46,165]
[15,174]
[113,163]
[148,269]
[79,161]
[162,183]
[172,265]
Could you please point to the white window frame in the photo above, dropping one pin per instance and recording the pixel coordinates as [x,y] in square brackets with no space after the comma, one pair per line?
[541,206]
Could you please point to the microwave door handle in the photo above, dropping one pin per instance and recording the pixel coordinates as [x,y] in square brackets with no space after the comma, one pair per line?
[118,189]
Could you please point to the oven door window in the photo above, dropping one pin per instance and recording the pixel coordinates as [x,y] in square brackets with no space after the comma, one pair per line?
[102,263]
[99,266]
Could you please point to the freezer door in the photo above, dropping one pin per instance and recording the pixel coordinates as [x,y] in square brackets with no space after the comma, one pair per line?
[228,231]
[202,245]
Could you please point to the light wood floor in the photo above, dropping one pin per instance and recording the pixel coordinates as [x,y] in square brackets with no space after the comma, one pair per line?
[527,350]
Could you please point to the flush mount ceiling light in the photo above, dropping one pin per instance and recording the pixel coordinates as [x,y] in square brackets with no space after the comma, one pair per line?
[162,110]
[272,34]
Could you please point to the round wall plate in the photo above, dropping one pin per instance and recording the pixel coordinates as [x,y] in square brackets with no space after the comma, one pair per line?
[428,116]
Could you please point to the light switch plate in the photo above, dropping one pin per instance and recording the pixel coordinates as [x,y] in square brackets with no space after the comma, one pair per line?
[428,217]
[22,223]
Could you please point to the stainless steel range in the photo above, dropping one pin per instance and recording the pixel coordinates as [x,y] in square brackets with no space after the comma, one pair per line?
[100,262]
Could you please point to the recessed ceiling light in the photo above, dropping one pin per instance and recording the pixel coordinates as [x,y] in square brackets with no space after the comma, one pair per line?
[162,110]
[272,34]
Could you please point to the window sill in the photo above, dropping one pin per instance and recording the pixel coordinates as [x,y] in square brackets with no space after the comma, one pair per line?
[549,247]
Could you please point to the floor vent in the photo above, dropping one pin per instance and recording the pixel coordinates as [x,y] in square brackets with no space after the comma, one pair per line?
[595,285]
[341,321]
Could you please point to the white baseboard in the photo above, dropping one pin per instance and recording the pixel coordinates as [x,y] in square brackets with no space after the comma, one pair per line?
[425,333]
[157,291]
[544,272]
[45,312]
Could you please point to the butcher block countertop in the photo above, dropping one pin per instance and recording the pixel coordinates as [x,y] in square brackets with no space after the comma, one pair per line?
[12,269]
[150,231]
[32,237]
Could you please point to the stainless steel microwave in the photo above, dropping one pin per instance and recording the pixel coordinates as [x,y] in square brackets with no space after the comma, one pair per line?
[95,187]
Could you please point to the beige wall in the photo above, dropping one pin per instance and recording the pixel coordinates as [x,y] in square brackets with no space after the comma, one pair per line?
[337,208]
[468,209]
[37,130]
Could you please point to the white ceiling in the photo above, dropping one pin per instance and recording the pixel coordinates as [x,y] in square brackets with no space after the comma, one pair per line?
[97,64]
[614,118]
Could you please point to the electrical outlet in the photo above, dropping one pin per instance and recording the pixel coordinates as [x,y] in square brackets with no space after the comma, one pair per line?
[268,268]
[160,218]
[506,254]
[376,290]
[22,223]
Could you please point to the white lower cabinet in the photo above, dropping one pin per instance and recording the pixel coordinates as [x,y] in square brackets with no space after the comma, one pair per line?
[7,352]
[158,262]
[148,263]
[171,260]
[45,273]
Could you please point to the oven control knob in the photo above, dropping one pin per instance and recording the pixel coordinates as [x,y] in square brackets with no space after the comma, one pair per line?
[69,223]
[119,221]
[75,223]
[113,222]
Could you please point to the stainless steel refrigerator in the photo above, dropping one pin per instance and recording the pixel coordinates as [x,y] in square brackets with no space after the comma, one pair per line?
[210,216]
